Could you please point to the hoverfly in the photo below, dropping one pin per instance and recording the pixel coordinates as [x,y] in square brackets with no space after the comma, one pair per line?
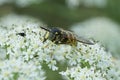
[60,36]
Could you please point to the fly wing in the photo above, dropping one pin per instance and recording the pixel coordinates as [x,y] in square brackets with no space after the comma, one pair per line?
[85,41]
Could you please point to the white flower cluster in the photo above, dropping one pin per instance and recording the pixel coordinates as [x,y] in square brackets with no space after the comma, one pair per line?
[87,3]
[102,29]
[91,63]
[2,2]
[20,3]
[17,69]
[24,56]
[25,3]
[15,63]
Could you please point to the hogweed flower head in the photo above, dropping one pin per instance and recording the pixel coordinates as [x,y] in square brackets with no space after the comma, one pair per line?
[96,27]
[24,56]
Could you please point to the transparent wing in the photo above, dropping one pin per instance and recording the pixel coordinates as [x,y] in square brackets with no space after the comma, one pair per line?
[86,41]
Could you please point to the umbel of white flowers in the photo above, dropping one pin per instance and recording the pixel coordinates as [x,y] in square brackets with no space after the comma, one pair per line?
[23,56]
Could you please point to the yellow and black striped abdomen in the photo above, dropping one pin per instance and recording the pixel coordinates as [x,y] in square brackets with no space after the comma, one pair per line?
[60,36]
[71,38]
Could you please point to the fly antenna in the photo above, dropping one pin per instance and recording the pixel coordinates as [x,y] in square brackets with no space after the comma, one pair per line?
[45,29]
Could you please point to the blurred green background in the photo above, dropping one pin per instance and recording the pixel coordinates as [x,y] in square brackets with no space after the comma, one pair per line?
[65,13]
[58,13]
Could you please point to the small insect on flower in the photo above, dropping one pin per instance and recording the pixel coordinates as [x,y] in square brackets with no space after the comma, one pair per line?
[60,36]
[21,34]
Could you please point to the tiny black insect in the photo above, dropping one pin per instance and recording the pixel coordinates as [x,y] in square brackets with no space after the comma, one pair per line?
[21,34]
[60,36]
